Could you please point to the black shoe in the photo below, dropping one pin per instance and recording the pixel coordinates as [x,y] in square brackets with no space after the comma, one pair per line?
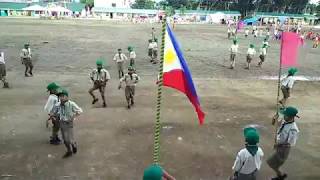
[74,149]
[6,85]
[104,104]
[31,74]
[129,106]
[26,75]
[94,101]
[67,154]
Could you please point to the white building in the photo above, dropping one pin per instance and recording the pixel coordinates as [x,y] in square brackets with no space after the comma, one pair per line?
[113,3]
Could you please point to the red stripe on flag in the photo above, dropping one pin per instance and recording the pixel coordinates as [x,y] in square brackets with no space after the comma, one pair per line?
[289,48]
[176,80]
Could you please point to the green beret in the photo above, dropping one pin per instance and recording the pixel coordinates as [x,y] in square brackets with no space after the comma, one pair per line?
[153,172]
[63,92]
[130,48]
[290,111]
[99,62]
[251,46]
[52,86]
[292,71]
[251,135]
[235,41]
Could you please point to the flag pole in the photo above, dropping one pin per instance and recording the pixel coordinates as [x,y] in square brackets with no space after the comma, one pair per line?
[157,128]
[275,117]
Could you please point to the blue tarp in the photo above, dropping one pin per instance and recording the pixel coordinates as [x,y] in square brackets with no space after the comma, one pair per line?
[252,20]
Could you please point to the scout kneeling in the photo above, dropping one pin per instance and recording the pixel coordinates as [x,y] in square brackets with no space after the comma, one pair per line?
[99,77]
[250,55]
[51,103]
[249,159]
[26,60]
[3,71]
[67,111]
[130,79]
[287,135]
[155,172]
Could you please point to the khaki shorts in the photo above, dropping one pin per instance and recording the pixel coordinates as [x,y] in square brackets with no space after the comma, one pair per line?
[232,57]
[249,58]
[120,66]
[279,156]
[98,85]
[251,176]
[27,62]
[285,92]
[129,92]
[3,71]
[262,58]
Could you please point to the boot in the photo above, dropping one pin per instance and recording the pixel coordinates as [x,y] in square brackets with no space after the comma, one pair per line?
[67,154]
[74,148]
[5,85]
[95,100]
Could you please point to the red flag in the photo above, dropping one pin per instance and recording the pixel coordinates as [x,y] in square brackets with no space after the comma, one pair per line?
[289,48]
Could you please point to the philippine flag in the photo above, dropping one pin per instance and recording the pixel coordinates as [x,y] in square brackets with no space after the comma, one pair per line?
[176,73]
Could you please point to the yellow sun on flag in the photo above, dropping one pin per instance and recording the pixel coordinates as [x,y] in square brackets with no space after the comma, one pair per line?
[169,57]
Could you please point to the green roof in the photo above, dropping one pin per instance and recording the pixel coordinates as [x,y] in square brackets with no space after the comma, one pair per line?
[76,6]
[286,15]
[12,6]
[203,12]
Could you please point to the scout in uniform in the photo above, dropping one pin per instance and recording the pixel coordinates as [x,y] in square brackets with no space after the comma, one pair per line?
[287,135]
[316,41]
[26,60]
[153,34]
[287,85]
[132,56]
[229,32]
[250,54]
[67,111]
[155,51]
[3,71]
[150,47]
[155,172]
[234,51]
[246,32]
[130,79]
[99,77]
[120,58]
[263,54]
[249,159]
[51,103]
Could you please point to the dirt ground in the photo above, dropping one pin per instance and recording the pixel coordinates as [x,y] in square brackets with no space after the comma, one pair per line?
[116,143]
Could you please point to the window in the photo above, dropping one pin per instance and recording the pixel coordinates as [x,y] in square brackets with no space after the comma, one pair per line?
[113,4]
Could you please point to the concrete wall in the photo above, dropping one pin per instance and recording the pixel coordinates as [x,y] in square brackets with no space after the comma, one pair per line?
[113,3]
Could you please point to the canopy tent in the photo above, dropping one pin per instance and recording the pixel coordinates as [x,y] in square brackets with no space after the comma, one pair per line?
[58,9]
[34,8]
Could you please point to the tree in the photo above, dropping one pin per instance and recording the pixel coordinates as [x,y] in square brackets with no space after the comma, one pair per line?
[87,2]
[143,4]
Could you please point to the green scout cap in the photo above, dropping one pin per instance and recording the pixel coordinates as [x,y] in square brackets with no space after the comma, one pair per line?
[99,62]
[52,86]
[155,39]
[251,46]
[292,71]
[251,135]
[130,48]
[63,92]
[235,41]
[153,172]
[290,111]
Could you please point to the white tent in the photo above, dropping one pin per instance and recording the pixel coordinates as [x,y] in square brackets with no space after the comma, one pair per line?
[35,8]
[217,17]
[58,9]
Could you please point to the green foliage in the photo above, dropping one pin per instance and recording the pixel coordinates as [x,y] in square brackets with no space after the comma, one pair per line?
[87,2]
[143,4]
